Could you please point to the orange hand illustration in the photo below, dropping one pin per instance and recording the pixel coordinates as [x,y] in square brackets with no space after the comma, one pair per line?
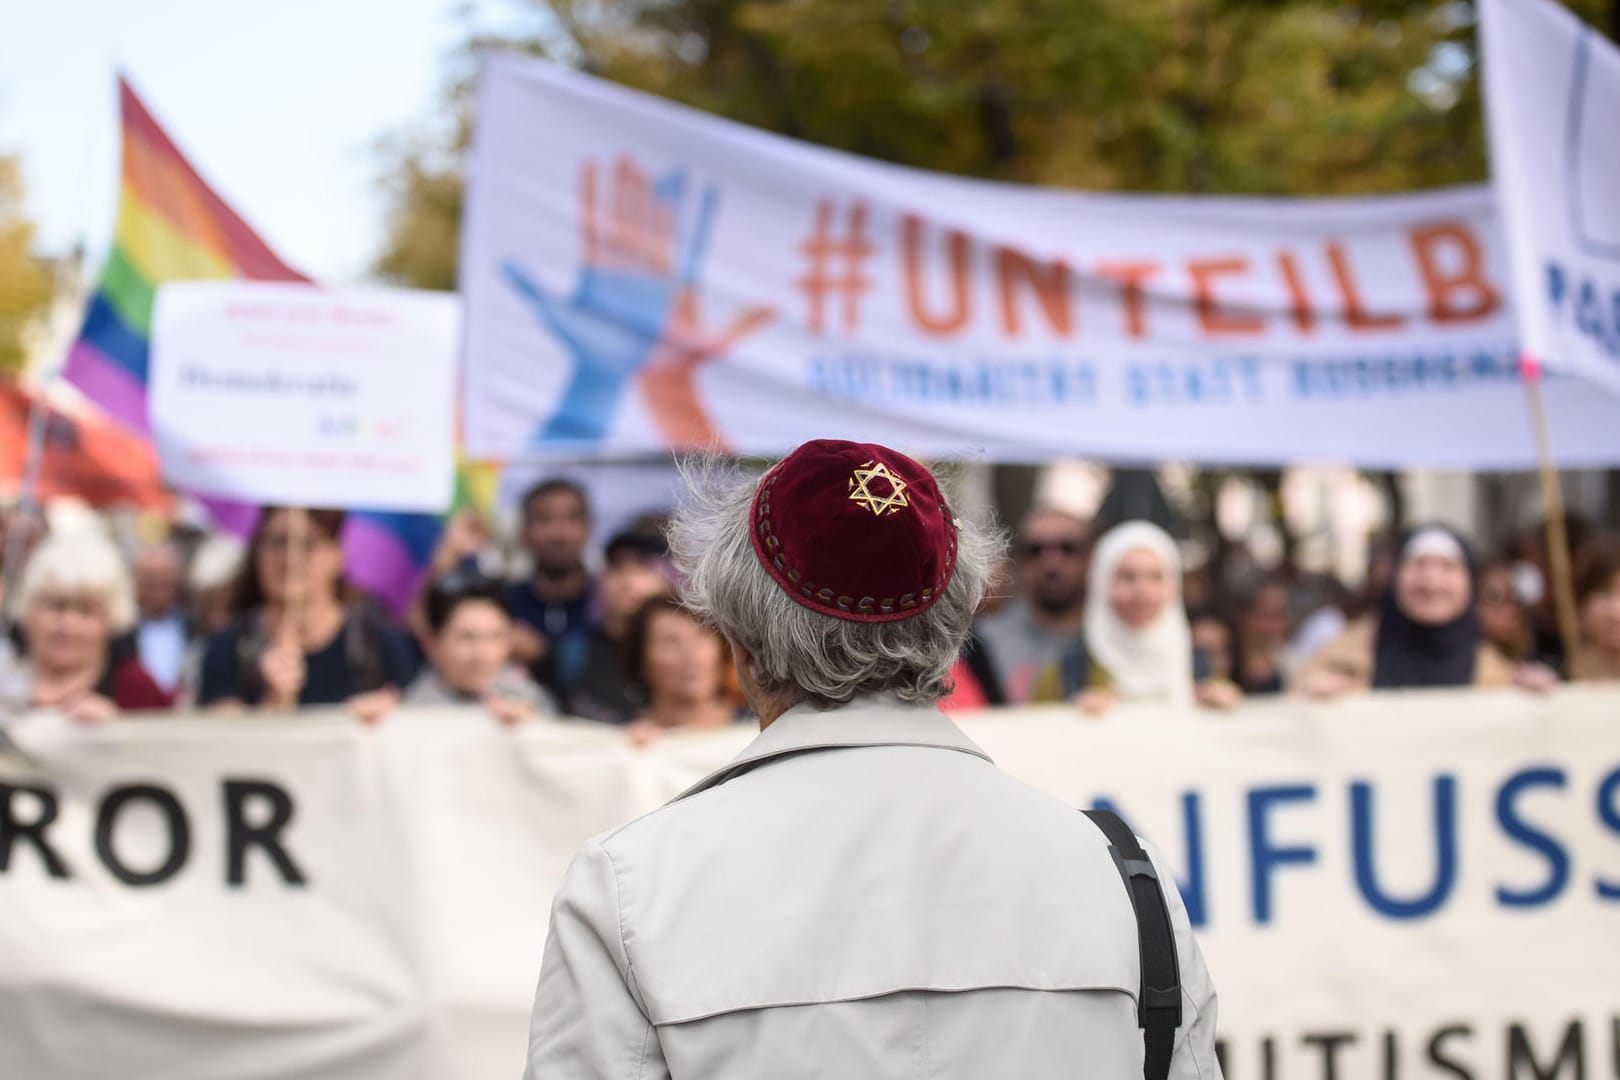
[669,381]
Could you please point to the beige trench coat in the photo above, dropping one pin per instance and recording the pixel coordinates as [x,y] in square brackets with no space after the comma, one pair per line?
[861,894]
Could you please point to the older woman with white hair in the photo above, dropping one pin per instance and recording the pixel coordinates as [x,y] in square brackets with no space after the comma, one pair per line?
[74,599]
[861,892]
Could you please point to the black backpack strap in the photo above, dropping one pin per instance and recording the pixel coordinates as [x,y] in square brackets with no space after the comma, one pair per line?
[1158,1001]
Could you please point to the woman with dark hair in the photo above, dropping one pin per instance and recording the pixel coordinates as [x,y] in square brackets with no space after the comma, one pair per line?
[1264,629]
[1503,617]
[341,651]
[1214,643]
[469,648]
[1597,594]
[1426,632]
[683,668]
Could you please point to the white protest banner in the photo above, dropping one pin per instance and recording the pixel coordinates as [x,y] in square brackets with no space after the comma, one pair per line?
[1552,99]
[306,396]
[640,276]
[1395,887]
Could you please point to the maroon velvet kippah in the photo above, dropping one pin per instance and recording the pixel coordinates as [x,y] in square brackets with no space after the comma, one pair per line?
[855,531]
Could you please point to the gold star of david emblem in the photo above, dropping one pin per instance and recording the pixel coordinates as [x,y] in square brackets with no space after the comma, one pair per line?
[860,489]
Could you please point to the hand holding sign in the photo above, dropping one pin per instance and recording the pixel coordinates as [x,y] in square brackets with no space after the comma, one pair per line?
[281,665]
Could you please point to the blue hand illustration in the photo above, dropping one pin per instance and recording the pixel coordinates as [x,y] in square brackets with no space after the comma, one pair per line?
[622,303]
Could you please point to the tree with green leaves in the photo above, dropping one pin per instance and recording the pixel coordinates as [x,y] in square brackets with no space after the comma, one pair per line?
[25,286]
[1272,97]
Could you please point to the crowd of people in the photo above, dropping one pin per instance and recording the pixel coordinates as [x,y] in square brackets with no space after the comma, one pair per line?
[95,634]
[1100,620]
[1093,620]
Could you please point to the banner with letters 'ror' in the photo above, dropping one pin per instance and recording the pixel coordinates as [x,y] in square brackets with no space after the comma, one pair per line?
[1392,888]
[640,276]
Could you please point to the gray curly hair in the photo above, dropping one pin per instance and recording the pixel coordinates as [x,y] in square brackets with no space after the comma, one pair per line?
[801,655]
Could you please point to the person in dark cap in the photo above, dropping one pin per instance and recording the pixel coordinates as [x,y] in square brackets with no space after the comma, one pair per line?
[635,570]
[861,893]
[551,610]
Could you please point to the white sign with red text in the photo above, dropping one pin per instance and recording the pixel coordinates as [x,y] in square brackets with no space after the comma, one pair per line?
[306,396]
[646,276]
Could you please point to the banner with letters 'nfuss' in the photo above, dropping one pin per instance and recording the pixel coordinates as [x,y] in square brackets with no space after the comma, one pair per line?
[1418,886]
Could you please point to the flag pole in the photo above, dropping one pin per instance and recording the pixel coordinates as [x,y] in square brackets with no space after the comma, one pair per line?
[69,273]
[39,413]
[1552,500]
[27,504]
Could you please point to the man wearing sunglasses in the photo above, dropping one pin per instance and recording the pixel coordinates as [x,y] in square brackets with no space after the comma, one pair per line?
[1045,617]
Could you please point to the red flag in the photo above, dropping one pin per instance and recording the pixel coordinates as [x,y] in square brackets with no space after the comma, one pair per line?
[81,457]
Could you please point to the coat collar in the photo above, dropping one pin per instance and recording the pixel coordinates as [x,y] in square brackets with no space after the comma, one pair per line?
[877,720]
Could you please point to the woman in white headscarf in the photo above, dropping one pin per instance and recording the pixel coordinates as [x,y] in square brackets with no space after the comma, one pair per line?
[1138,646]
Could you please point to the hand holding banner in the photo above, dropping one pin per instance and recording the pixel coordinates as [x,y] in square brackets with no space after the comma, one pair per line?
[1398,885]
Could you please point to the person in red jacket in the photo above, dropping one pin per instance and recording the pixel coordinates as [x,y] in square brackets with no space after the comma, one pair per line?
[74,599]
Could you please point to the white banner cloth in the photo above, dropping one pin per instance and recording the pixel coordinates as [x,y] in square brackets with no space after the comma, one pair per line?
[1388,884]
[640,276]
[306,396]
[1552,99]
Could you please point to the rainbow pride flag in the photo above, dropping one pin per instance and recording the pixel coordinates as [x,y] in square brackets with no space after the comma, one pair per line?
[171,226]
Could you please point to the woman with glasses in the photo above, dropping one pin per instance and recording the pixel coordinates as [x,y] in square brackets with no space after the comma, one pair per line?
[339,651]
[1502,616]
[74,598]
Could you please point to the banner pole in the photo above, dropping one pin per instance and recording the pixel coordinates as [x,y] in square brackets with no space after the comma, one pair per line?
[290,634]
[1552,499]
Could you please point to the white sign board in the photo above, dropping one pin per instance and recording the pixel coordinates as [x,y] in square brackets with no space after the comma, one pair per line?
[647,276]
[1552,102]
[1395,886]
[306,396]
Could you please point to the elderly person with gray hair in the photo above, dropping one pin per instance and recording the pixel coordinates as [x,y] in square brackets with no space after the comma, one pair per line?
[74,599]
[163,629]
[860,893]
